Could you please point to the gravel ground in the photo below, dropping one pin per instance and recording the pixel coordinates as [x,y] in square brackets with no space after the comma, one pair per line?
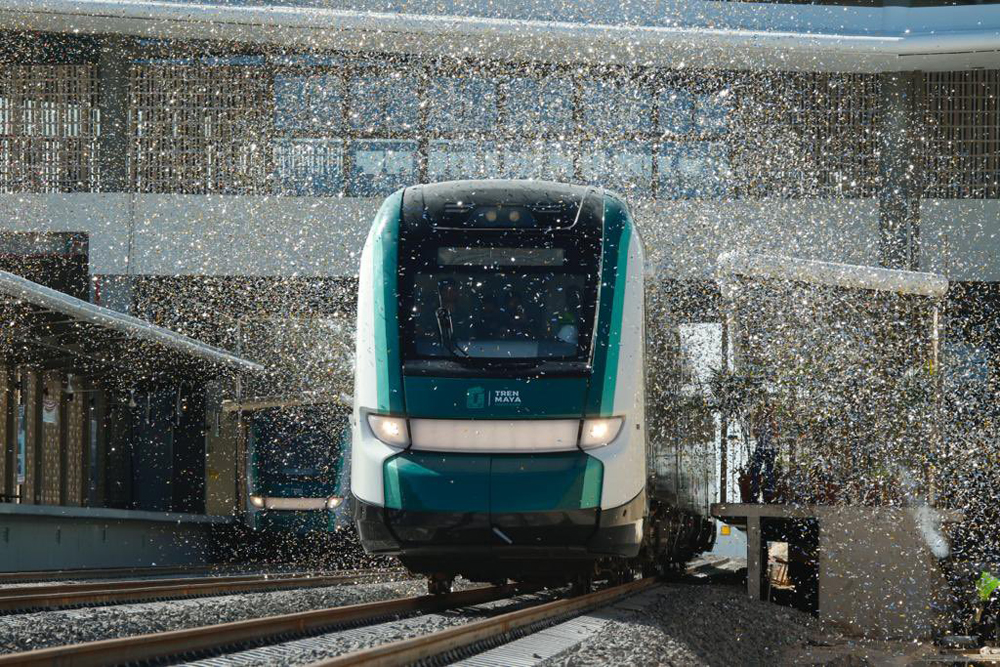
[684,624]
[24,632]
[325,646]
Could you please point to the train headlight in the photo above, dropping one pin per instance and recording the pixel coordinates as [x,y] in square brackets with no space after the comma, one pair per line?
[333,502]
[599,432]
[257,501]
[390,430]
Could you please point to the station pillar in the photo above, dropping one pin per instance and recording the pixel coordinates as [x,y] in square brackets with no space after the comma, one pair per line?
[900,179]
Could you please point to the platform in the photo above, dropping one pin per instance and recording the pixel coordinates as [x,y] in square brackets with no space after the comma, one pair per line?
[49,537]
[876,570]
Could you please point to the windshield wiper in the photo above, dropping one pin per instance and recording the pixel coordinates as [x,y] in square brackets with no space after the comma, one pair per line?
[446,330]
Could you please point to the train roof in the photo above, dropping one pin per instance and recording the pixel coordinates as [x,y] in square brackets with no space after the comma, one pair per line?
[542,205]
[776,267]
[508,191]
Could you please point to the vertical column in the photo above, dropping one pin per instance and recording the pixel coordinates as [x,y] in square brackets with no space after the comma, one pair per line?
[756,565]
[62,401]
[899,178]
[97,429]
[85,402]
[113,66]
[34,443]
[10,433]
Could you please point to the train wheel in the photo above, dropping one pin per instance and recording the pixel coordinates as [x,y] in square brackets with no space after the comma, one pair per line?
[439,584]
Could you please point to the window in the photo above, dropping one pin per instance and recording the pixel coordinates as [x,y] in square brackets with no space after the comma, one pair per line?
[616,107]
[625,166]
[384,103]
[381,166]
[712,112]
[309,166]
[697,169]
[312,103]
[539,106]
[676,111]
[539,160]
[462,104]
[455,160]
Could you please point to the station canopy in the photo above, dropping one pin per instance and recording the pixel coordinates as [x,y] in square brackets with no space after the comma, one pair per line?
[47,329]
[775,267]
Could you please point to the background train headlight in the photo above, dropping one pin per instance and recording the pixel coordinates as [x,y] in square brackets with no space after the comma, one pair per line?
[257,501]
[390,430]
[599,432]
[333,502]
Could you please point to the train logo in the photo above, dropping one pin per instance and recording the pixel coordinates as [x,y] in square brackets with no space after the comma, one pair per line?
[475,398]
[507,397]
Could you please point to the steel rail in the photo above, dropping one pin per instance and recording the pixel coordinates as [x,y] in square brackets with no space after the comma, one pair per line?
[108,573]
[213,638]
[69,595]
[408,651]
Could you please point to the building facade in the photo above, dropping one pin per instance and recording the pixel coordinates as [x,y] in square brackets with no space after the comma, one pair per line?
[223,163]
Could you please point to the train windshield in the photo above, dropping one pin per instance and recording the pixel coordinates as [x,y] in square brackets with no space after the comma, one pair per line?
[505,298]
[294,448]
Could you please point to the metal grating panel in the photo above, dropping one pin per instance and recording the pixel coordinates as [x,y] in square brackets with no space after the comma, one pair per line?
[199,129]
[961,142]
[75,443]
[807,135]
[51,454]
[49,125]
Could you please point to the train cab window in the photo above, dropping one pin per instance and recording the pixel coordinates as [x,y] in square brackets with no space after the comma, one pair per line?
[293,449]
[500,286]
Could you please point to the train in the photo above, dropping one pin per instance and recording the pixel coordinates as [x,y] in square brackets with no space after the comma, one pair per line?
[297,450]
[499,427]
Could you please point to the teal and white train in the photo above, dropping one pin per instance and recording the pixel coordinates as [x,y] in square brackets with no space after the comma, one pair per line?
[499,420]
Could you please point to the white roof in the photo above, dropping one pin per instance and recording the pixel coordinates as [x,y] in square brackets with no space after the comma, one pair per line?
[771,38]
[48,299]
[777,267]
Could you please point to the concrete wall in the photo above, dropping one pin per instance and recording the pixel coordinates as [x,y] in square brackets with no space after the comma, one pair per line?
[322,236]
[684,238]
[961,238]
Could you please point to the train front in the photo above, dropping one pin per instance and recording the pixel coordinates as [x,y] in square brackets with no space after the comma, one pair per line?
[498,426]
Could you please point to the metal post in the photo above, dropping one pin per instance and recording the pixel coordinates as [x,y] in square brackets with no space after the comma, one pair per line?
[724,428]
[756,565]
[899,184]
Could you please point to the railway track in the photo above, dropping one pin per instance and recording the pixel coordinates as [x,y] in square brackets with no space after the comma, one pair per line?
[55,596]
[113,573]
[232,636]
[455,642]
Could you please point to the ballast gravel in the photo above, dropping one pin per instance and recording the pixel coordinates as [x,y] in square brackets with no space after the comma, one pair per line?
[308,650]
[25,632]
[685,624]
